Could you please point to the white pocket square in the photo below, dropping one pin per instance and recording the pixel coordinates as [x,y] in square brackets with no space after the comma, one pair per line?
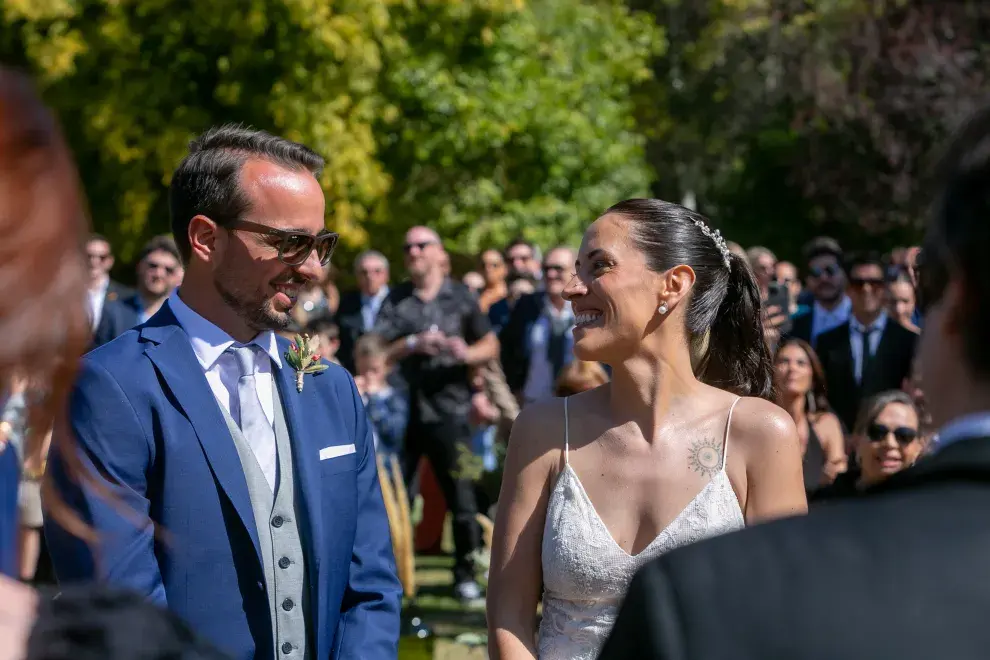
[336,451]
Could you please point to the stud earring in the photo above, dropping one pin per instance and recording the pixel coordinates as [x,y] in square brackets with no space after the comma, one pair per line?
[662,308]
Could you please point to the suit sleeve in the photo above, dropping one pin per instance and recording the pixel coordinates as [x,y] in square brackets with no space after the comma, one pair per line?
[369,620]
[110,496]
[649,624]
[512,346]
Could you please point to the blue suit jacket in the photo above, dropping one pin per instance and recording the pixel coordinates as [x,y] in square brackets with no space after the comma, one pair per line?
[152,431]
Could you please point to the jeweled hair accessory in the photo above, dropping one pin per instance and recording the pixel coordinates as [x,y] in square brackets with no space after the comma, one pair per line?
[716,236]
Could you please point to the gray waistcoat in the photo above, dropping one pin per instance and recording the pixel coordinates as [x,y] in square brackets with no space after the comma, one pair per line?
[281,544]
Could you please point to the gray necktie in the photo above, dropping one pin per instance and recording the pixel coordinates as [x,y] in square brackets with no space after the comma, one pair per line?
[255,427]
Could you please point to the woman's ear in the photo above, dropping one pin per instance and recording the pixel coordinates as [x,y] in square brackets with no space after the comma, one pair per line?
[677,282]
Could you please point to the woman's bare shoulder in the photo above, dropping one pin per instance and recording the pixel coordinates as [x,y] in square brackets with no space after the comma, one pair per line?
[760,427]
[540,430]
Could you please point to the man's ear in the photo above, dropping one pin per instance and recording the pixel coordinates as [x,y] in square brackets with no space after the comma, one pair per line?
[206,240]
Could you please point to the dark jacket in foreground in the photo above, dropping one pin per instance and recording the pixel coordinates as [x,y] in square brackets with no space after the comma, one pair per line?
[899,572]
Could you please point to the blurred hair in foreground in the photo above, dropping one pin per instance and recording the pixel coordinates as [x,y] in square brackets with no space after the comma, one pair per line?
[43,318]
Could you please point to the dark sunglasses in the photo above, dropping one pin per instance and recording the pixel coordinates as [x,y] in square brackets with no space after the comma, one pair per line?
[827,271]
[878,432]
[551,268]
[860,282]
[294,247]
[408,247]
[169,270]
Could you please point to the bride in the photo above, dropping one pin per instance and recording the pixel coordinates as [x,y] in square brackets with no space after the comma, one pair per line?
[682,444]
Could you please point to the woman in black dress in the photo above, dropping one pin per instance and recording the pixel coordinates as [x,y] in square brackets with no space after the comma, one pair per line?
[800,387]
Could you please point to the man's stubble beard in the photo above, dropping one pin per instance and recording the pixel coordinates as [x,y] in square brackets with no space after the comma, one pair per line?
[259,314]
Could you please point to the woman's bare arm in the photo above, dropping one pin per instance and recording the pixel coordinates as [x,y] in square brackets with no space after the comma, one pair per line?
[829,431]
[766,437]
[516,574]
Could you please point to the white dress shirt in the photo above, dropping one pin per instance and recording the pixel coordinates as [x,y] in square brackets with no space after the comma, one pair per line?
[96,299]
[823,320]
[856,331]
[222,373]
[370,306]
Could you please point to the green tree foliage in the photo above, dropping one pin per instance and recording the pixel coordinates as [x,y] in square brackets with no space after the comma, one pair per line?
[790,118]
[522,126]
[478,117]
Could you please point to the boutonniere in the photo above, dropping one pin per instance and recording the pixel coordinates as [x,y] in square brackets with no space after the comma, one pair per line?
[302,356]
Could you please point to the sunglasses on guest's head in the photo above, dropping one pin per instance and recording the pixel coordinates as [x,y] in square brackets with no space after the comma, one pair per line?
[861,282]
[294,247]
[421,245]
[878,432]
[827,271]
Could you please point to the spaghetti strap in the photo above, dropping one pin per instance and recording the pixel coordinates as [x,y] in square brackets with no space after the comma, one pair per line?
[725,441]
[566,431]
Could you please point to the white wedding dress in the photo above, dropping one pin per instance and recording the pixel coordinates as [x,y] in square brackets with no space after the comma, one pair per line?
[586,573]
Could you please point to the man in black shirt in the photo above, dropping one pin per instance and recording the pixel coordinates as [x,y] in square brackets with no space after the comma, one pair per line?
[436,333]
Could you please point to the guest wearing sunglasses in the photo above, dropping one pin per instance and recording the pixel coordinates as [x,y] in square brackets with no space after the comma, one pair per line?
[248,495]
[158,270]
[871,352]
[887,439]
[537,341]
[829,305]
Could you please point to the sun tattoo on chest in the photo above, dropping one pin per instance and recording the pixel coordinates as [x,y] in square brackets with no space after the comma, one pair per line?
[705,456]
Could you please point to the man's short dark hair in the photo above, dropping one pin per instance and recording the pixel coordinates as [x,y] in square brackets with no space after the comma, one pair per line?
[958,237]
[864,259]
[160,244]
[822,246]
[324,324]
[519,240]
[206,181]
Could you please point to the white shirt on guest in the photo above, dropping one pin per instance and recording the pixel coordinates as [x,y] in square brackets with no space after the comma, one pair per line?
[222,371]
[370,306]
[823,320]
[96,299]
[856,331]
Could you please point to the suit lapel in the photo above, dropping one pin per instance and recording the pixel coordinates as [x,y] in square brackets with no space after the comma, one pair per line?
[304,417]
[173,357]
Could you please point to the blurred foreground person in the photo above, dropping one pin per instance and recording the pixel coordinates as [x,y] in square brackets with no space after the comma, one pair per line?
[46,326]
[900,571]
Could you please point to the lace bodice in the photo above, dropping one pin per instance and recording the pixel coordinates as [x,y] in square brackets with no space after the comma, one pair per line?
[586,573]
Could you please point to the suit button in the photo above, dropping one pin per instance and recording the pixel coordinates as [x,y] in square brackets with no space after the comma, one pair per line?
[284,562]
[277,521]
[287,604]
[286,648]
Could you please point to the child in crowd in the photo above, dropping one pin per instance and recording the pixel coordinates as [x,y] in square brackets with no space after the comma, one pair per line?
[388,408]
[326,330]
[579,377]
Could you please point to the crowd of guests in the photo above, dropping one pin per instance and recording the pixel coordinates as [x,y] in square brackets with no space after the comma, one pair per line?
[445,363]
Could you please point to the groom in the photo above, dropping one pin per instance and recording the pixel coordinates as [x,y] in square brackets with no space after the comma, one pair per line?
[248,507]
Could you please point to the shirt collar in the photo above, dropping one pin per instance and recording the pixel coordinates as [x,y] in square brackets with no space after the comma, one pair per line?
[878,325]
[378,297]
[208,341]
[842,310]
[974,425]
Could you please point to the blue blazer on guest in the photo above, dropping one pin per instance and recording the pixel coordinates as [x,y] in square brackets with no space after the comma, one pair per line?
[179,527]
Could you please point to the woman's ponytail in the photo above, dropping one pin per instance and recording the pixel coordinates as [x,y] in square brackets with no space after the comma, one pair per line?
[738,358]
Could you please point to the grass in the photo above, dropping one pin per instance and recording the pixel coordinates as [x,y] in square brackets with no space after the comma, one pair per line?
[443,613]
